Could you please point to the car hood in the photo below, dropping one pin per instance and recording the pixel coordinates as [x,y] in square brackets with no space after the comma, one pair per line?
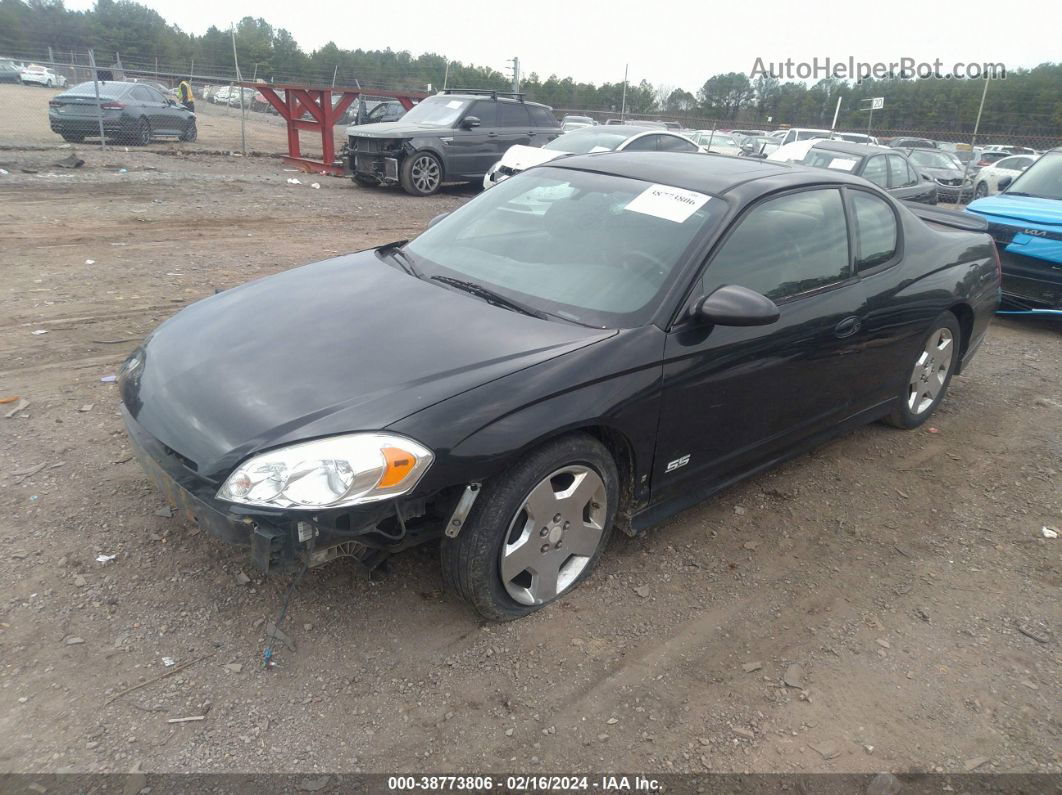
[1025,209]
[396,129]
[520,157]
[342,345]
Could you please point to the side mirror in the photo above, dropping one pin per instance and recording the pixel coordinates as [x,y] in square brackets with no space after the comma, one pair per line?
[435,220]
[733,305]
[470,121]
[1004,183]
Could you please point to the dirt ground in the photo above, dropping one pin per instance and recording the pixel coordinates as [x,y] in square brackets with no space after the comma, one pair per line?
[24,122]
[887,602]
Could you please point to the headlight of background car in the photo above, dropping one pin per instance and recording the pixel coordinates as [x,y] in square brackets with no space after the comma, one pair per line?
[329,473]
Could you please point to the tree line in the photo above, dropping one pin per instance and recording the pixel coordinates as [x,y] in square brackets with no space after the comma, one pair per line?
[1027,103]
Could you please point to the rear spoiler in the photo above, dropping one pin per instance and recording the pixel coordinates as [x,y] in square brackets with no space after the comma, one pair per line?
[953,218]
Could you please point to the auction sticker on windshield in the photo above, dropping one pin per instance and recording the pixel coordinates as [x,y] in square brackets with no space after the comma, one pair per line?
[671,204]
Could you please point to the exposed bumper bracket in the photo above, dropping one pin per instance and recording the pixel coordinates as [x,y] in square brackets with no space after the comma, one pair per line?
[464,505]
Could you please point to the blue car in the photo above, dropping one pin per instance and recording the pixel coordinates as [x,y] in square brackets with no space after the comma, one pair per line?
[1026,222]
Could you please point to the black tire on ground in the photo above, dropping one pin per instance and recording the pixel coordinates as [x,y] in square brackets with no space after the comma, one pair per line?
[74,138]
[141,135]
[191,132]
[925,386]
[980,191]
[368,182]
[421,174]
[471,563]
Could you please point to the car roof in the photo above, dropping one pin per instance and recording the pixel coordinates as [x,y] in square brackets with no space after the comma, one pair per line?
[851,148]
[703,173]
[487,96]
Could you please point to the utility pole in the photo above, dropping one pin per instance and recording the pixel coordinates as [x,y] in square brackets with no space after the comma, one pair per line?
[973,139]
[239,79]
[836,111]
[623,106]
[99,106]
[446,75]
[516,73]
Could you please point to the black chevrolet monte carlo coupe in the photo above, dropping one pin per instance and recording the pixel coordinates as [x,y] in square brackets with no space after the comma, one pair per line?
[594,344]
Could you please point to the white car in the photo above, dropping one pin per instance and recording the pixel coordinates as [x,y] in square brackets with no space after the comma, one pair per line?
[602,138]
[221,96]
[794,134]
[795,151]
[714,141]
[856,138]
[987,179]
[41,76]
[569,123]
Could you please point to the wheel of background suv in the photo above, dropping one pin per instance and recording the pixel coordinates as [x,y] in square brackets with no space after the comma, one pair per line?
[980,191]
[142,134]
[536,531]
[421,174]
[73,137]
[930,374]
[50,84]
[190,133]
[368,182]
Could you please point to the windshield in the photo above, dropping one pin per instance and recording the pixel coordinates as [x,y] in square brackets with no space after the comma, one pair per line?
[932,159]
[593,248]
[577,120]
[1042,179]
[826,158]
[437,111]
[586,140]
[807,135]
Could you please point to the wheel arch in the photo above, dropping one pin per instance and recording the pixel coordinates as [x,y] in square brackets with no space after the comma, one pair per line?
[965,315]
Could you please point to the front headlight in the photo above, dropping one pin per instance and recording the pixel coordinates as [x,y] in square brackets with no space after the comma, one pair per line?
[329,473]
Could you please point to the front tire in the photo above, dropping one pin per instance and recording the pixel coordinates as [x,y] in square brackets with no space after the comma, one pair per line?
[980,191]
[536,531]
[421,174]
[191,132]
[928,381]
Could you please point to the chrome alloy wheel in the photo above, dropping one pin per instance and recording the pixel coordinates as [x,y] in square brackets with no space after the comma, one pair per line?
[930,371]
[425,174]
[554,535]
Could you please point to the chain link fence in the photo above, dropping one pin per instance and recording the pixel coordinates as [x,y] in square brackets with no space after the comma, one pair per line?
[229,118]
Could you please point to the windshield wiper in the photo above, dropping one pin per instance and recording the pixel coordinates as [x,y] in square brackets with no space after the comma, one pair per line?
[394,250]
[491,297]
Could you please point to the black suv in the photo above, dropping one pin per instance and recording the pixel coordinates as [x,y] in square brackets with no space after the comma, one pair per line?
[455,136]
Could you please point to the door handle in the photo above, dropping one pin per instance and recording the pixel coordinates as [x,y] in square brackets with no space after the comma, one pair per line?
[532,134]
[847,327]
[492,135]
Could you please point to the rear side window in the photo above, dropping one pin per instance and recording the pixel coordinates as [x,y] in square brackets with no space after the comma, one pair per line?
[874,226]
[142,94]
[647,143]
[541,117]
[672,143]
[898,172]
[513,114]
[876,171]
[786,246]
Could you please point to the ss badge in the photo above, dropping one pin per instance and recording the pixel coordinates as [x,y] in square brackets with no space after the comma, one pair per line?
[678,462]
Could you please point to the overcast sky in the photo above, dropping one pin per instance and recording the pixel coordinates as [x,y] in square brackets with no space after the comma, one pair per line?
[675,43]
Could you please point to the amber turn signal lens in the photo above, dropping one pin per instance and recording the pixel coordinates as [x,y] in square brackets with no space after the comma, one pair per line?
[399,465]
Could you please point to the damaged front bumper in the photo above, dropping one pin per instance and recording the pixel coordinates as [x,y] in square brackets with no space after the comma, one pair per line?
[376,158]
[279,539]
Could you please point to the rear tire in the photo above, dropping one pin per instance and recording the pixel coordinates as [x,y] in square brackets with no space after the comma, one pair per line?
[141,135]
[515,522]
[927,383]
[421,174]
[980,191]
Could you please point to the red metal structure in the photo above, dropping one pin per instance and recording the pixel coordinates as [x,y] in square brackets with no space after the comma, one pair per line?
[316,102]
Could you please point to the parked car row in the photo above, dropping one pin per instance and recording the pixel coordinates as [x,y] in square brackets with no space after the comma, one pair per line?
[30,74]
